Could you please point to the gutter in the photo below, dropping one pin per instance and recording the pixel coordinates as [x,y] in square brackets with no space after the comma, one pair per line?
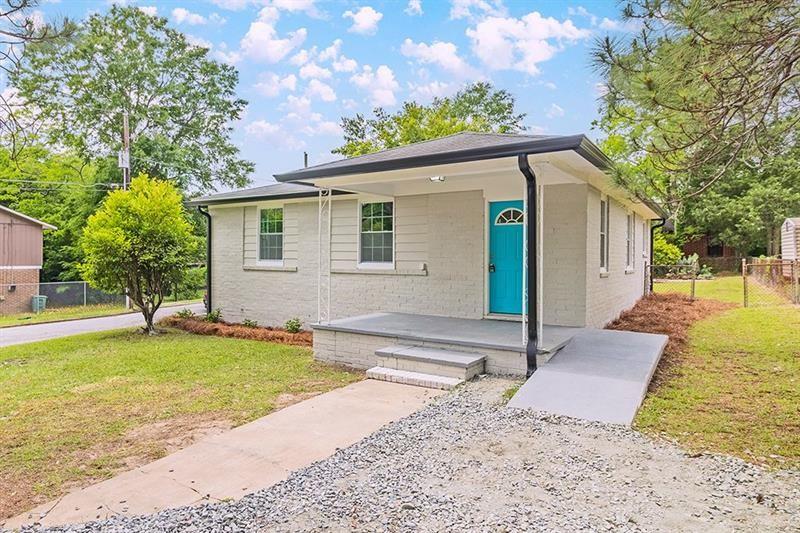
[652,232]
[204,211]
[532,347]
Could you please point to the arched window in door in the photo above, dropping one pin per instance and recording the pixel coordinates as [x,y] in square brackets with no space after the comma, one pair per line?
[512,215]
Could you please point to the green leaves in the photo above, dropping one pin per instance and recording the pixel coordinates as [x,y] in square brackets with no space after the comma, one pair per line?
[140,241]
[180,102]
[478,107]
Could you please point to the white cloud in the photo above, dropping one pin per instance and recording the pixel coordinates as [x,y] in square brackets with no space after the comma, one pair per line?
[324,127]
[428,91]
[582,12]
[199,42]
[600,89]
[520,44]
[299,108]
[149,10]
[349,103]
[629,26]
[312,70]
[344,64]
[321,90]
[550,85]
[262,42]
[439,53]
[554,111]
[273,133]
[307,6]
[181,15]
[270,84]
[222,53]
[380,84]
[414,7]
[232,5]
[331,52]
[365,20]
[473,9]
[300,58]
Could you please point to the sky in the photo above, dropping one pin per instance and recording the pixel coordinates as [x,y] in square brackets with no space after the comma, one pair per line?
[303,64]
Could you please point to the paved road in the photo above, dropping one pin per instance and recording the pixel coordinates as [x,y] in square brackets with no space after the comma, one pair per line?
[39,332]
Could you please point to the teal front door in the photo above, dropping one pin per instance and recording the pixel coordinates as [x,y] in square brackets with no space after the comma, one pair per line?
[505,257]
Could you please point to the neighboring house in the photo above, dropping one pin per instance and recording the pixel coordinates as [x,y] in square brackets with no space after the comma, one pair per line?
[790,239]
[425,245]
[20,259]
[707,246]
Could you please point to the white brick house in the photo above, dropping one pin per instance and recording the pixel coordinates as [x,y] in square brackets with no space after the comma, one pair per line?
[436,229]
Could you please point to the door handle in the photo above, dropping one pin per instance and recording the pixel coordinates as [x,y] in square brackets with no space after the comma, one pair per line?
[491,267]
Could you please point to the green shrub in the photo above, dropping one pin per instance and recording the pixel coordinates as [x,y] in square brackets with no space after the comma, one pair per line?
[185,313]
[214,316]
[249,323]
[665,253]
[293,325]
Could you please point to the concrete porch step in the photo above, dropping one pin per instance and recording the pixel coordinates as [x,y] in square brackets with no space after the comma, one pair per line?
[418,379]
[435,361]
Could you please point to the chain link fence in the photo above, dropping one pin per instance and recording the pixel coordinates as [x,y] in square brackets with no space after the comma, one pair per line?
[671,279]
[769,282]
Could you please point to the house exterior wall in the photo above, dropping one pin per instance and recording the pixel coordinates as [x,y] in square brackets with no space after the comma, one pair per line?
[440,264]
[439,243]
[564,227]
[17,286]
[609,293]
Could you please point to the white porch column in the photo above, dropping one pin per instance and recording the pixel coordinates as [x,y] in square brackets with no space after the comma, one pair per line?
[324,257]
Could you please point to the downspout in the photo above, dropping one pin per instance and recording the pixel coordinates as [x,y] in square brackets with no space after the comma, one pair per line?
[205,213]
[532,347]
[652,232]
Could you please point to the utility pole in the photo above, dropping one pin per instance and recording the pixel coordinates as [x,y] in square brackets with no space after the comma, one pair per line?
[125,165]
[125,153]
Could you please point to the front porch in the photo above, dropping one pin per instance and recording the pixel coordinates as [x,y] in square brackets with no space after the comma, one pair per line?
[355,340]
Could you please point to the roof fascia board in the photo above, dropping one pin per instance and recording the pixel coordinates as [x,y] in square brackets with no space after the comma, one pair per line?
[257,198]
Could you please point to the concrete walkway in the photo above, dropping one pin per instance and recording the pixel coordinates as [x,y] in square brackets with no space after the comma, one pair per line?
[600,375]
[53,330]
[243,460]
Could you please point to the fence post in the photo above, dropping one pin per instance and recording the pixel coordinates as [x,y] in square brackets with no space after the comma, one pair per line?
[744,279]
[795,276]
[694,281]
[84,294]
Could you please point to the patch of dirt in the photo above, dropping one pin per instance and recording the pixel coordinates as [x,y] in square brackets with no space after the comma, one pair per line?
[671,315]
[238,331]
[139,446]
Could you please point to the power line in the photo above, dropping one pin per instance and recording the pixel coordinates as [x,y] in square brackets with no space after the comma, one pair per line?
[67,183]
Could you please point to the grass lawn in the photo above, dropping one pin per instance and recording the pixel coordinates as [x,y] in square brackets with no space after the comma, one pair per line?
[79,409]
[70,313]
[735,387]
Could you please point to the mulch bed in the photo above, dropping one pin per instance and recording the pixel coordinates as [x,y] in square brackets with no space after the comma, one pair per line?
[671,315]
[224,329]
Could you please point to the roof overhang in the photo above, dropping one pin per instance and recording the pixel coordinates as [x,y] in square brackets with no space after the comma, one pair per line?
[257,198]
[578,143]
[17,214]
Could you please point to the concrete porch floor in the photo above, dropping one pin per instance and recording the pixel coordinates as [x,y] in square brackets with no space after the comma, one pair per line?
[480,333]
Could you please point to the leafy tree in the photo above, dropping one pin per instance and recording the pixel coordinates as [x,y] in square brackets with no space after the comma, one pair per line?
[704,84]
[664,252]
[140,242]
[180,102]
[478,107]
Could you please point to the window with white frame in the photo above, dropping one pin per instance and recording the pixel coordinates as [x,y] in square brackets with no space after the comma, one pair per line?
[630,242]
[270,235]
[604,214]
[377,232]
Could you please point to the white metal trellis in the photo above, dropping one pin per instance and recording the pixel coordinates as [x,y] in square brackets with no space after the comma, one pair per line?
[324,267]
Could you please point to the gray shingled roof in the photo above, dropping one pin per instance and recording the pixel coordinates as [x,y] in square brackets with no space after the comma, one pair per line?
[271,191]
[422,152]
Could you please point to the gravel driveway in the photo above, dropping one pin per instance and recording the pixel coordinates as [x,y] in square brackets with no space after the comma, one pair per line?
[467,463]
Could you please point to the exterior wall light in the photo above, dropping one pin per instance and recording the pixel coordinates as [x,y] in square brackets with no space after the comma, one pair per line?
[439,179]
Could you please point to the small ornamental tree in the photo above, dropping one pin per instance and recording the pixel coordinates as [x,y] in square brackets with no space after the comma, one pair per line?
[140,242]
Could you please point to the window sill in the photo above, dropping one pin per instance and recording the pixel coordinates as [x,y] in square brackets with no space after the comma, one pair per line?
[630,271]
[604,274]
[270,268]
[379,271]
